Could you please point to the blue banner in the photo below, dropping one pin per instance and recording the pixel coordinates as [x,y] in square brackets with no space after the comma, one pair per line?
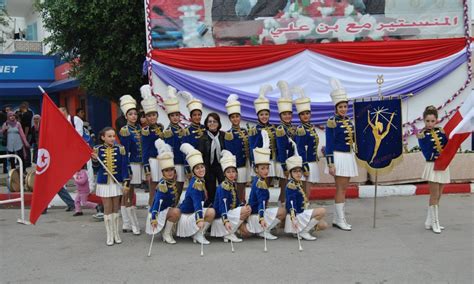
[378,127]
[26,68]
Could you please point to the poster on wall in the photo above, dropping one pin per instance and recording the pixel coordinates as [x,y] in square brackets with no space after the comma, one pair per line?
[209,23]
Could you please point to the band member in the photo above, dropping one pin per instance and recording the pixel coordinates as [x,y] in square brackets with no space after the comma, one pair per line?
[230,213]
[340,147]
[300,219]
[115,158]
[164,211]
[150,134]
[432,141]
[263,219]
[173,135]
[194,131]
[195,218]
[130,137]
[307,140]
[284,132]
[237,142]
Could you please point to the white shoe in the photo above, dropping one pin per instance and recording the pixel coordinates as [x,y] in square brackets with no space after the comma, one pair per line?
[199,238]
[307,236]
[132,214]
[109,229]
[434,219]
[305,233]
[428,221]
[340,221]
[232,237]
[268,235]
[115,223]
[167,234]
[125,220]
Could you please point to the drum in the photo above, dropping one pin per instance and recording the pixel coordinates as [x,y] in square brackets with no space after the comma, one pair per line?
[30,181]
[14,180]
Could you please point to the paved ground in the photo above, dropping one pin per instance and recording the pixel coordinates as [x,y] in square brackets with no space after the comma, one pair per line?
[62,248]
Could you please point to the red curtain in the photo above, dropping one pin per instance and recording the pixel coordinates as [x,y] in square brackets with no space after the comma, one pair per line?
[377,53]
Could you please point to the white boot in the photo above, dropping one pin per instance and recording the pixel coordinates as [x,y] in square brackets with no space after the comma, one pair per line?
[305,233]
[167,233]
[267,233]
[115,223]
[434,219]
[232,237]
[428,221]
[125,220]
[109,228]
[199,236]
[339,220]
[132,214]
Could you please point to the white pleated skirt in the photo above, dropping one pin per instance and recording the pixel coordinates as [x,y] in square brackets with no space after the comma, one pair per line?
[137,173]
[161,222]
[345,163]
[155,170]
[430,174]
[187,225]
[244,173]
[253,223]
[274,169]
[218,229]
[302,219]
[111,189]
[180,176]
[313,173]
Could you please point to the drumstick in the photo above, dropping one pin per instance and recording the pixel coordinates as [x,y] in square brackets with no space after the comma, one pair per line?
[297,233]
[226,212]
[264,229]
[202,231]
[153,235]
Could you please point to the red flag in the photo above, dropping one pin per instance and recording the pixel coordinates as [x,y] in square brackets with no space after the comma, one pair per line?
[61,152]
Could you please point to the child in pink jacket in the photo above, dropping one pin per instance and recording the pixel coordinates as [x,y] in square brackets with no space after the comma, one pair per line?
[82,183]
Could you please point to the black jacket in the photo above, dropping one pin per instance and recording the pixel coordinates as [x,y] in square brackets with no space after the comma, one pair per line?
[205,148]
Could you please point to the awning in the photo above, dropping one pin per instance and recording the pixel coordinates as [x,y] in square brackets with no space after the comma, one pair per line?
[62,85]
[29,88]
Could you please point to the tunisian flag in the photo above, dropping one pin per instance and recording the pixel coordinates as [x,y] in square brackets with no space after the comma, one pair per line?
[458,128]
[61,153]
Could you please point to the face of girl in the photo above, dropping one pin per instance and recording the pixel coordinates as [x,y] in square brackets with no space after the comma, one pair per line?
[132,116]
[36,119]
[264,116]
[231,174]
[262,170]
[11,117]
[430,121]
[196,116]
[235,119]
[143,120]
[174,117]
[109,137]
[297,174]
[212,124]
[199,170]
[151,118]
[305,116]
[341,108]
[286,116]
[169,173]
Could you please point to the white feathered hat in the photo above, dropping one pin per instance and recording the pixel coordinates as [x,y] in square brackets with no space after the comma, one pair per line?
[193,156]
[262,103]
[127,103]
[171,101]
[233,104]
[303,103]
[193,103]
[261,155]
[149,103]
[338,93]
[295,161]
[285,102]
[165,154]
[228,160]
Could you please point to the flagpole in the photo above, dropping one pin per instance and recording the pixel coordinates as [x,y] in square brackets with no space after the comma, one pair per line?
[375,197]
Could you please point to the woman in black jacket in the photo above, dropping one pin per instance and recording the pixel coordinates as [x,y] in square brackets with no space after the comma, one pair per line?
[211,145]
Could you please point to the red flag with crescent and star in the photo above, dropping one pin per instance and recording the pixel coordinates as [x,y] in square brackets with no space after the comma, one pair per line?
[61,153]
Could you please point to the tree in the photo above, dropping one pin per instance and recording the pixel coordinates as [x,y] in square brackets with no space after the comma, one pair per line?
[104,41]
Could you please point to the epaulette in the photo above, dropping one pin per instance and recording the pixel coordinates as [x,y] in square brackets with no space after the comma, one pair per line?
[227,186]
[167,133]
[441,129]
[331,122]
[262,184]
[292,185]
[300,131]
[280,131]
[420,134]
[162,187]
[185,132]
[96,149]
[124,132]
[146,131]
[253,131]
[122,150]
[199,185]
[229,136]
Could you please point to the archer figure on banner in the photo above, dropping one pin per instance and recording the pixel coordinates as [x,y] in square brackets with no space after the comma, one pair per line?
[377,130]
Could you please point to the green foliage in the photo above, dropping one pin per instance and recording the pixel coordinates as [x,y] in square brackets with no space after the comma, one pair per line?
[108,38]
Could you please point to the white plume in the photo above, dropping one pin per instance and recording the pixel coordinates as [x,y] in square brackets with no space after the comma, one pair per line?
[298,90]
[293,143]
[162,147]
[284,90]
[264,90]
[186,95]
[145,91]
[265,140]
[186,148]
[335,84]
[171,92]
[232,98]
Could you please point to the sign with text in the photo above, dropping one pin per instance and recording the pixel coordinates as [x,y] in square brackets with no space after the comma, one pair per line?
[27,68]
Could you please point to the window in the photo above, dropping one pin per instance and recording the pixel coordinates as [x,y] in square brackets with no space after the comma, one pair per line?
[3,4]
[32,32]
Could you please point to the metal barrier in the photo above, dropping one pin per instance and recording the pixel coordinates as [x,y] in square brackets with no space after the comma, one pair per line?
[21,199]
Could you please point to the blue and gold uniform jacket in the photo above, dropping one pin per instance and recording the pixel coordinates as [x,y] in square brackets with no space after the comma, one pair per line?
[167,191]
[131,138]
[236,140]
[149,135]
[115,158]
[259,194]
[294,192]
[255,139]
[192,134]
[225,190]
[432,142]
[195,194]
[339,137]
[173,136]
[307,141]
[284,147]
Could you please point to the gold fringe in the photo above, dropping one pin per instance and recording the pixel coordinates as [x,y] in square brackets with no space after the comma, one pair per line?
[381,171]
